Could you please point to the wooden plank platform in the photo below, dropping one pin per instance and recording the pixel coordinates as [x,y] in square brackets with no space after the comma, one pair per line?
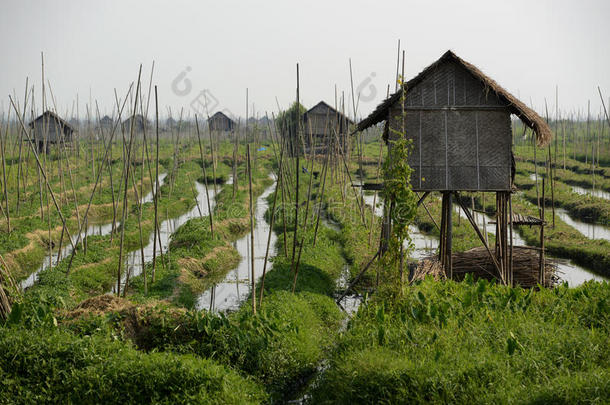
[519,219]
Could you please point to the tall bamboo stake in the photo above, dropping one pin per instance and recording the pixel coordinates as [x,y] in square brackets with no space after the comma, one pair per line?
[61,216]
[251,233]
[271,221]
[297,171]
[205,177]
[7,212]
[128,164]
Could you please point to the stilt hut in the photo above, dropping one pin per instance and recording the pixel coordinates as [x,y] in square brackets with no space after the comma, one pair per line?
[459,121]
[139,123]
[324,126]
[170,124]
[106,123]
[221,122]
[49,128]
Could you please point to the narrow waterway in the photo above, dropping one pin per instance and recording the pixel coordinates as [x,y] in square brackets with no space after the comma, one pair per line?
[581,190]
[595,193]
[423,245]
[166,229]
[92,230]
[591,231]
[229,294]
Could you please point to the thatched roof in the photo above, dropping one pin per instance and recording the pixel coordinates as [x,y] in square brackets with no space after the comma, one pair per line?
[50,115]
[526,114]
[139,118]
[333,112]
[220,115]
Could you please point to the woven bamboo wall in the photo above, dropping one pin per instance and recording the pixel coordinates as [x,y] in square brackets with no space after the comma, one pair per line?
[320,126]
[461,133]
[220,123]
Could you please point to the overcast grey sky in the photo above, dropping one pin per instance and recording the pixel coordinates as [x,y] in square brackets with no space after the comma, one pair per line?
[224,47]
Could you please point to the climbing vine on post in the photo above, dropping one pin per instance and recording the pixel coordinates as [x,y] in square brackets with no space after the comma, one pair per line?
[397,191]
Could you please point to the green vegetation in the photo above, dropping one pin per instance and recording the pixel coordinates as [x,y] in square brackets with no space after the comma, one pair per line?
[586,208]
[561,240]
[43,365]
[198,260]
[474,342]
[427,342]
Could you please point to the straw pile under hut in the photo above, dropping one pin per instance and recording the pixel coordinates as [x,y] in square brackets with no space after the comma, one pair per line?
[526,265]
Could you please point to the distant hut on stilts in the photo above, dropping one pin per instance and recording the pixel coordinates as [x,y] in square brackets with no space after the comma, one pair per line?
[324,126]
[49,128]
[459,121]
[139,123]
[106,123]
[170,124]
[221,122]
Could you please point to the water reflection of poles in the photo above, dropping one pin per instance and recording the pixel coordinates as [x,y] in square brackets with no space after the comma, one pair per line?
[237,273]
[212,297]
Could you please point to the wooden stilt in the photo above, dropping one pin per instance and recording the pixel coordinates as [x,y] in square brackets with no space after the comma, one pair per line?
[542,265]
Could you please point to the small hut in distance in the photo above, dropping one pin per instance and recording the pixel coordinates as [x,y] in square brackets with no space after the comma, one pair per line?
[49,128]
[170,124]
[106,123]
[139,123]
[458,120]
[221,122]
[324,126]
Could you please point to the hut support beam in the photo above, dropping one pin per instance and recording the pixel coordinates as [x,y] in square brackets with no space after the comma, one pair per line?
[479,233]
[502,201]
[446,234]
[422,198]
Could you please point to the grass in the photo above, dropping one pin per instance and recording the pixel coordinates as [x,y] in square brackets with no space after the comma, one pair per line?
[474,342]
[197,260]
[94,272]
[588,208]
[429,342]
[52,365]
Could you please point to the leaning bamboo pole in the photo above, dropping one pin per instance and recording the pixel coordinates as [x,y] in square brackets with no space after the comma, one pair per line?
[4,183]
[128,164]
[251,203]
[205,177]
[278,181]
[43,173]
[19,165]
[297,171]
[156,193]
[321,199]
[96,184]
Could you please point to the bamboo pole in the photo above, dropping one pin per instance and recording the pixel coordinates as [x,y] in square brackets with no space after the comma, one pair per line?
[321,199]
[157,234]
[542,218]
[43,173]
[128,164]
[251,203]
[271,221]
[4,183]
[19,169]
[297,171]
[205,177]
[95,187]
